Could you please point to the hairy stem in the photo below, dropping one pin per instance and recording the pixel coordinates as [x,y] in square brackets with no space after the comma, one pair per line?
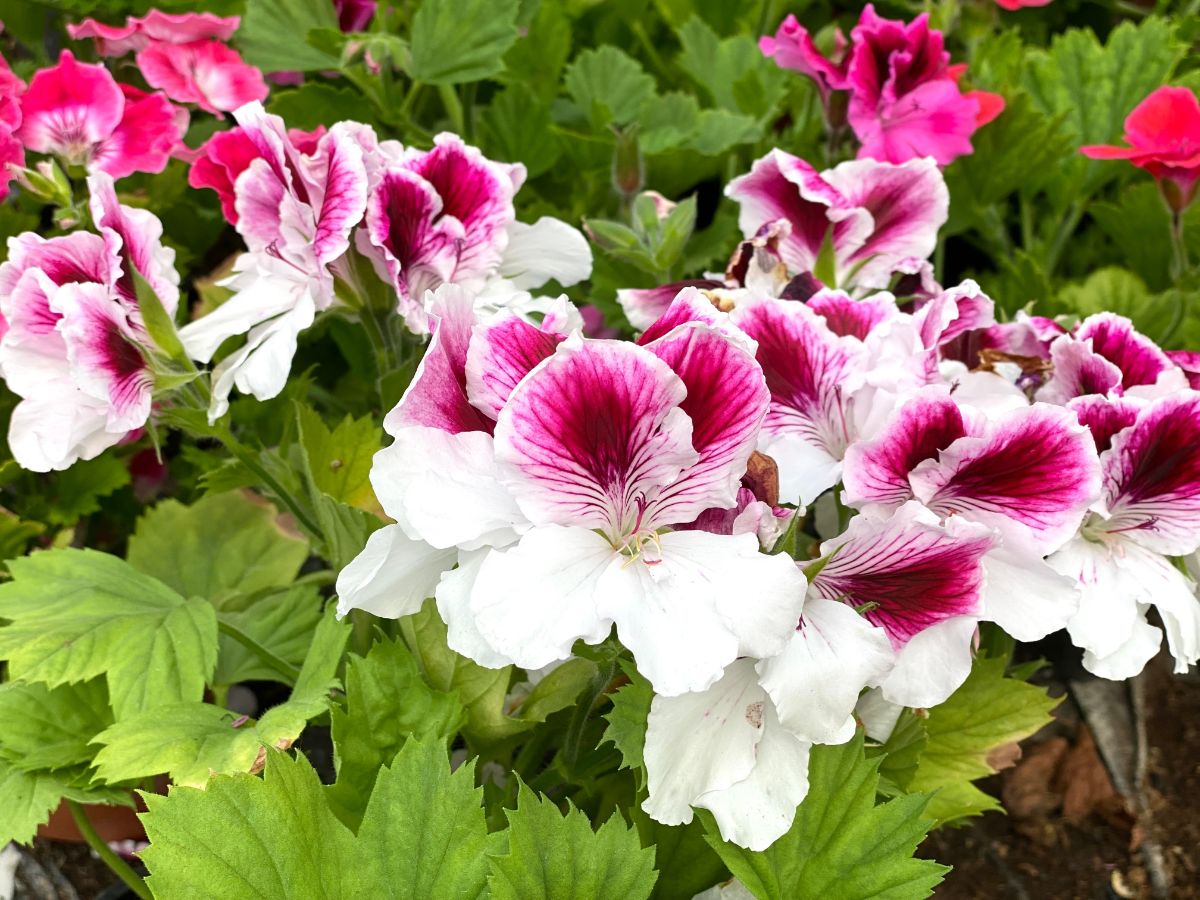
[269,659]
[119,867]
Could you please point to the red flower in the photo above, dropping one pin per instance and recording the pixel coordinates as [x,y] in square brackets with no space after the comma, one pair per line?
[1163,133]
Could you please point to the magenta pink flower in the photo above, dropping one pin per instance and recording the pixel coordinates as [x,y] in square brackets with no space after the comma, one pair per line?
[78,111]
[225,155]
[354,15]
[12,153]
[1014,5]
[792,48]
[1163,132]
[207,73]
[155,26]
[904,98]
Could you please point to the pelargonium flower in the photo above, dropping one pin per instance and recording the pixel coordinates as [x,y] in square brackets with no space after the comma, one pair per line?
[880,216]
[604,445]
[1148,512]
[12,151]
[439,479]
[207,73]
[227,154]
[78,112]
[74,349]
[905,101]
[156,26]
[355,15]
[296,212]
[895,603]
[1029,474]
[1014,5]
[446,216]
[1163,133]
[792,47]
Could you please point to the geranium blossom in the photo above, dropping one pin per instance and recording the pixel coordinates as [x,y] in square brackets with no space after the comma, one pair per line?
[156,26]
[876,215]
[603,445]
[78,112]
[1163,133]
[1148,512]
[792,47]
[74,347]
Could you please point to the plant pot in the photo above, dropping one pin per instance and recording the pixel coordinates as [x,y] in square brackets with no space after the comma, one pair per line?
[112,823]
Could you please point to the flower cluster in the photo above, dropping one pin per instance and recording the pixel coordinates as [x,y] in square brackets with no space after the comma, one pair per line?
[74,342]
[893,82]
[547,487]
[328,217]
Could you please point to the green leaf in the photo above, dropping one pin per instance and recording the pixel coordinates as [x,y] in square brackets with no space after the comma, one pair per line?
[51,728]
[387,703]
[250,837]
[988,711]
[424,833]
[518,127]
[191,741]
[557,690]
[719,130]
[266,22]
[78,614]
[316,103]
[78,490]
[1112,289]
[340,460]
[685,862]
[535,63]
[841,845]
[220,545]
[158,322]
[732,71]
[454,41]
[901,753]
[1096,86]
[559,857]
[26,801]
[667,122]
[627,721]
[15,534]
[608,85]
[282,621]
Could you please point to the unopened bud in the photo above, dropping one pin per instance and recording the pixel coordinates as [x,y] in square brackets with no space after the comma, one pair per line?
[628,171]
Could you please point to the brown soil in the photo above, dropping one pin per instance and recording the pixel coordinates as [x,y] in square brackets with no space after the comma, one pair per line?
[1068,834]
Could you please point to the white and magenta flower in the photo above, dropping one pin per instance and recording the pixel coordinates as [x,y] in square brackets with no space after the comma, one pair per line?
[446,216]
[604,445]
[1148,513]
[74,349]
[78,112]
[877,216]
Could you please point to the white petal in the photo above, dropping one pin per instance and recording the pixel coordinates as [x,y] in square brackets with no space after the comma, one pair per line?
[53,430]
[933,665]
[392,576]
[879,717]
[261,295]
[710,599]
[701,742]
[549,248]
[757,811]
[1131,656]
[533,601]
[805,470]
[454,604]
[816,680]
[1173,595]
[1108,602]
[1024,595]
[443,488]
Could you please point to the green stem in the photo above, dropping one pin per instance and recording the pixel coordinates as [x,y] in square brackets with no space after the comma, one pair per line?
[269,659]
[1066,228]
[1178,247]
[997,233]
[119,867]
[453,107]
[249,459]
[573,741]
[649,49]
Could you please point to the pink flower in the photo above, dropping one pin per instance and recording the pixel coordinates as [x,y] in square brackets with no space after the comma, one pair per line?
[1163,132]
[792,48]
[904,99]
[155,26]
[225,155]
[1014,5]
[207,73]
[354,15]
[78,111]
